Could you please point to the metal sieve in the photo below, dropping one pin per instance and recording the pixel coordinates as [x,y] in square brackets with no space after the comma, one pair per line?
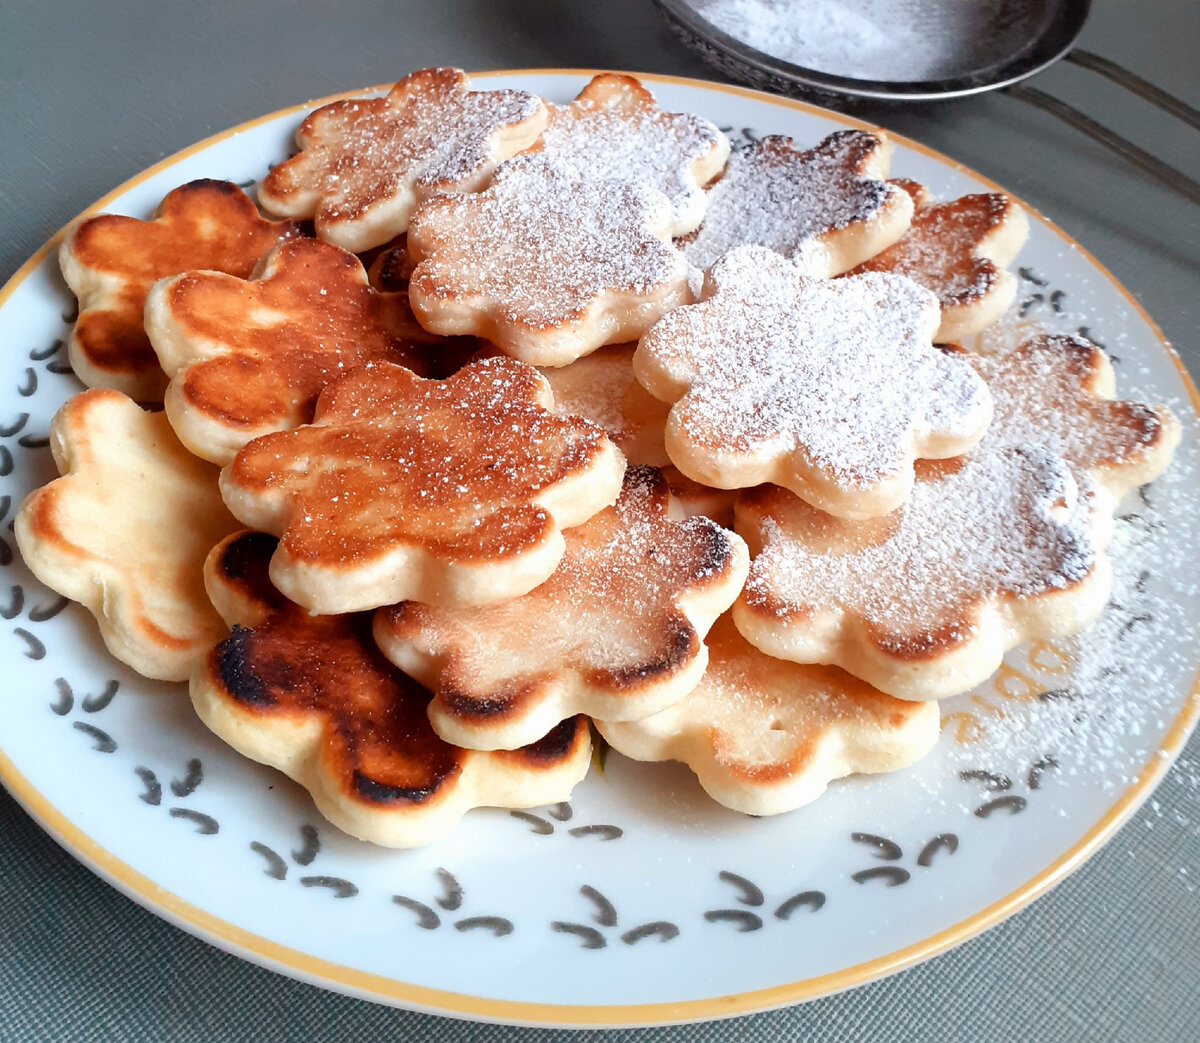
[840,51]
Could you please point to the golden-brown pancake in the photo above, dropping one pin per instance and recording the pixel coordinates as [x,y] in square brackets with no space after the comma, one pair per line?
[110,262]
[365,163]
[601,387]
[616,632]
[959,250]
[544,265]
[615,129]
[765,736]
[830,387]
[125,531]
[827,208]
[249,356]
[991,549]
[451,492]
[312,696]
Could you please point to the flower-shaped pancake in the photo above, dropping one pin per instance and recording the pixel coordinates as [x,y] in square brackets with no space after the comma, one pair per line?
[615,129]
[829,387]
[959,251]
[990,549]
[827,208]
[246,357]
[312,696]
[546,267]
[125,531]
[765,736]
[450,492]
[110,262]
[1058,391]
[616,632]
[365,163]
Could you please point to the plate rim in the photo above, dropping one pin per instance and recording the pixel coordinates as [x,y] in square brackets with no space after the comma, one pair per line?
[324,973]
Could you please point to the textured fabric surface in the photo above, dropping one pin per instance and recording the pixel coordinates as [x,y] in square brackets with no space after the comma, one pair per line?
[95,93]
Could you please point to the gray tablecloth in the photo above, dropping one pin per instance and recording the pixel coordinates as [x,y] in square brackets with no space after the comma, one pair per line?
[93,93]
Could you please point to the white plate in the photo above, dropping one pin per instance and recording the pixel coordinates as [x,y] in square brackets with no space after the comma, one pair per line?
[641,901]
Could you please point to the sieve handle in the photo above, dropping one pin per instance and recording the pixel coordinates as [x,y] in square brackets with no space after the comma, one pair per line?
[1170,176]
[1133,83]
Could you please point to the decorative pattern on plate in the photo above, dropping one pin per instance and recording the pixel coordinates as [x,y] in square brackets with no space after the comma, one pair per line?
[563,812]
[751,895]
[604,913]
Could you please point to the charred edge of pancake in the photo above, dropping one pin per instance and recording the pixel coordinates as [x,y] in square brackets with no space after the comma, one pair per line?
[1147,425]
[649,478]
[211,184]
[557,743]
[682,645]
[375,792]
[718,550]
[233,661]
[391,276]
[1085,359]
[245,562]
[464,706]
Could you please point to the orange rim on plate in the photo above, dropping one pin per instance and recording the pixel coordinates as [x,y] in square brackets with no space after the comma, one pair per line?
[379,988]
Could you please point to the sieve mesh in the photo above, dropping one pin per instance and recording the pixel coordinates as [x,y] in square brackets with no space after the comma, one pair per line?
[904,41]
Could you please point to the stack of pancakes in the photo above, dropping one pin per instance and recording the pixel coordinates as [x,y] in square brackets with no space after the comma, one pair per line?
[516,416]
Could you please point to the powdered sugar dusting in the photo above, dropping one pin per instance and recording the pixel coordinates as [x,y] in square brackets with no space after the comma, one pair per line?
[1006,520]
[901,40]
[1087,704]
[615,131]
[841,373]
[941,248]
[776,195]
[539,247]
[1044,391]
[1009,521]
[428,134]
[610,610]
